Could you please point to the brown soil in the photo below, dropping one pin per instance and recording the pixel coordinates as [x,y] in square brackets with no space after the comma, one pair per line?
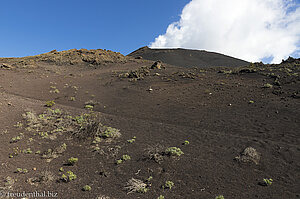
[219,111]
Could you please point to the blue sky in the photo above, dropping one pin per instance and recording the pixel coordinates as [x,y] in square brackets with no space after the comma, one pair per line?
[36,26]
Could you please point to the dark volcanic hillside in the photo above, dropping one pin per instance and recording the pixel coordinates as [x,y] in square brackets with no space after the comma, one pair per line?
[188,58]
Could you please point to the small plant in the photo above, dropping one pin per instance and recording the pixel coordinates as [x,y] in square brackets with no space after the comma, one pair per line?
[161,197]
[55,90]
[96,140]
[119,161]
[72,161]
[69,176]
[268,182]
[110,132]
[131,140]
[50,103]
[267,85]
[251,102]
[64,146]
[86,188]
[96,148]
[44,134]
[27,151]
[186,142]
[15,152]
[61,169]
[89,107]
[143,190]
[72,98]
[126,157]
[174,151]
[38,152]
[149,179]
[135,185]
[22,171]
[168,185]
[15,139]
[220,197]
[19,125]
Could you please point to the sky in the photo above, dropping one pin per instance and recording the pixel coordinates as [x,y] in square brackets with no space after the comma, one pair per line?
[254,30]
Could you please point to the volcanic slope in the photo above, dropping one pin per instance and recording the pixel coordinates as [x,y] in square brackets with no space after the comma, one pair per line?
[97,124]
[188,58]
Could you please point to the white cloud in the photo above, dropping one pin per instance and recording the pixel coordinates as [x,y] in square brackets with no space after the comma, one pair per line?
[247,29]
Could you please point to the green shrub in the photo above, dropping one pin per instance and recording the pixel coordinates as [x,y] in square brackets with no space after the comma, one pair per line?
[174,151]
[72,160]
[143,190]
[110,132]
[168,185]
[69,176]
[86,188]
[268,85]
[50,103]
[126,157]
[90,107]
[268,181]
[119,161]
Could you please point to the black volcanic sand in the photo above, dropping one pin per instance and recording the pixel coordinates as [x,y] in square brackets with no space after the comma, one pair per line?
[219,111]
[188,58]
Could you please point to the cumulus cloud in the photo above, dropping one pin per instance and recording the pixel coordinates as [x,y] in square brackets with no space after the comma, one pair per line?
[247,29]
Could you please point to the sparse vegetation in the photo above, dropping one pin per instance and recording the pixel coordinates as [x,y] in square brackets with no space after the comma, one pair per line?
[44,177]
[135,185]
[50,103]
[155,153]
[220,197]
[249,155]
[22,171]
[90,107]
[69,176]
[161,197]
[124,158]
[110,132]
[55,90]
[267,181]
[17,138]
[168,185]
[27,151]
[72,161]
[186,142]
[267,85]
[131,140]
[174,151]
[96,140]
[86,188]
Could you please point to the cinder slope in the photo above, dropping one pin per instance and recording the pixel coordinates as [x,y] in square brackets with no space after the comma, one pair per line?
[188,58]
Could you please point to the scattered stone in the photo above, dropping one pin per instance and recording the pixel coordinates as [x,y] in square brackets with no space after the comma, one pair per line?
[249,155]
[157,64]
[6,66]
